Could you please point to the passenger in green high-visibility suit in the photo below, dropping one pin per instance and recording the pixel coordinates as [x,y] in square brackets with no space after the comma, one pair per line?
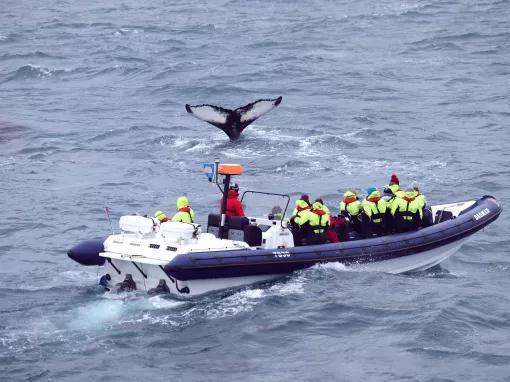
[408,211]
[374,213]
[184,212]
[318,219]
[300,231]
[350,207]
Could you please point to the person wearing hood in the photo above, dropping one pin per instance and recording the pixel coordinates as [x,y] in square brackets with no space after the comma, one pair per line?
[374,211]
[234,206]
[161,216]
[391,193]
[302,204]
[184,212]
[318,219]
[324,206]
[393,190]
[298,223]
[427,211]
[407,211]
[350,207]
[420,196]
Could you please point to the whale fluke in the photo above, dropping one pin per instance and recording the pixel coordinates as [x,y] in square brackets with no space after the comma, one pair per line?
[233,122]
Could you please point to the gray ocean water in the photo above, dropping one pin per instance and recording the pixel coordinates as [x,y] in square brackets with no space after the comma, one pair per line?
[92,114]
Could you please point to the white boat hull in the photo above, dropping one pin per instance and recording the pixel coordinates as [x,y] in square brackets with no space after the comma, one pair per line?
[154,273]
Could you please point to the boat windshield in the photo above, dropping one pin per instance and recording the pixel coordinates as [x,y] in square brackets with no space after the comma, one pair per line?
[265,205]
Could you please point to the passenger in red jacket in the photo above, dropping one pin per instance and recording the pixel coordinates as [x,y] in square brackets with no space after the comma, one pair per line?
[234,206]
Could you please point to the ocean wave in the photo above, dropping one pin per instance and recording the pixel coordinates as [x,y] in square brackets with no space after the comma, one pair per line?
[34,72]
[9,38]
[36,54]
[45,150]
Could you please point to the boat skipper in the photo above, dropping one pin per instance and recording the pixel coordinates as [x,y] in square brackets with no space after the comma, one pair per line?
[234,206]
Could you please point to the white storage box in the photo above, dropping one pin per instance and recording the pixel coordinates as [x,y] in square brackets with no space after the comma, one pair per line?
[177,230]
[137,224]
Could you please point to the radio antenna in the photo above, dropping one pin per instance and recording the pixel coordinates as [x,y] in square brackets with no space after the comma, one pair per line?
[107,212]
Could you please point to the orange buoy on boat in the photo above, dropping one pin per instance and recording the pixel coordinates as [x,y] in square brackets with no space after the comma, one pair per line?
[230,169]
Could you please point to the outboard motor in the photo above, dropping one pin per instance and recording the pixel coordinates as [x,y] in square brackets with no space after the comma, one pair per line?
[127,285]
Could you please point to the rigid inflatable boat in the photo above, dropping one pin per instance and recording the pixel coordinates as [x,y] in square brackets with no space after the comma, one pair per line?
[184,260]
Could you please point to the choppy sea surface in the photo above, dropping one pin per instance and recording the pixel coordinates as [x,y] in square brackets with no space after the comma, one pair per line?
[92,114]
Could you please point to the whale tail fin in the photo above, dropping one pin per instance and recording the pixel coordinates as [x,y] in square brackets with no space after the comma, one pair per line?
[233,122]
[252,111]
[214,115]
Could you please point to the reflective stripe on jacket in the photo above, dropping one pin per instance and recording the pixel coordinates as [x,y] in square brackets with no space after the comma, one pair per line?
[316,217]
[301,205]
[350,204]
[375,207]
[408,206]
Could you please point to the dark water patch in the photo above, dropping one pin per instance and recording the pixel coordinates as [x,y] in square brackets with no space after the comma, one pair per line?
[422,46]
[490,358]
[486,52]
[364,120]
[103,25]
[368,132]
[170,72]
[129,59]
[36,54]
[435,272]
[151,28]
[39,149]
[489,186]
[123,70]
[296,164]
[472,36]
[463,80]
[29,72]
[108,135]
[80,227]
[13,131]
[10,37]
[115,184]
[65,25]
[442,136]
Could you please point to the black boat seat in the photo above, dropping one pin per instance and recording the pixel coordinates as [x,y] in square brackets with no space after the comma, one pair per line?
[236,226]
[213,224]
[233,229]
[253,235]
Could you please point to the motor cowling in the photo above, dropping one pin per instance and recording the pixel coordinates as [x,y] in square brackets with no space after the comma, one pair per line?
[86,252]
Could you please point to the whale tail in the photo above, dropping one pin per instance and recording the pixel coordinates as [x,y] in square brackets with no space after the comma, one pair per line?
[233,122]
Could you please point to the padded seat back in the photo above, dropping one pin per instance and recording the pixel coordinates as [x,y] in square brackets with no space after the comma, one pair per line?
[253,235]
[236,226]
[213,224]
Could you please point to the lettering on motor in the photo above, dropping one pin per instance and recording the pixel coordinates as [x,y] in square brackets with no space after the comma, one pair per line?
[481,214]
